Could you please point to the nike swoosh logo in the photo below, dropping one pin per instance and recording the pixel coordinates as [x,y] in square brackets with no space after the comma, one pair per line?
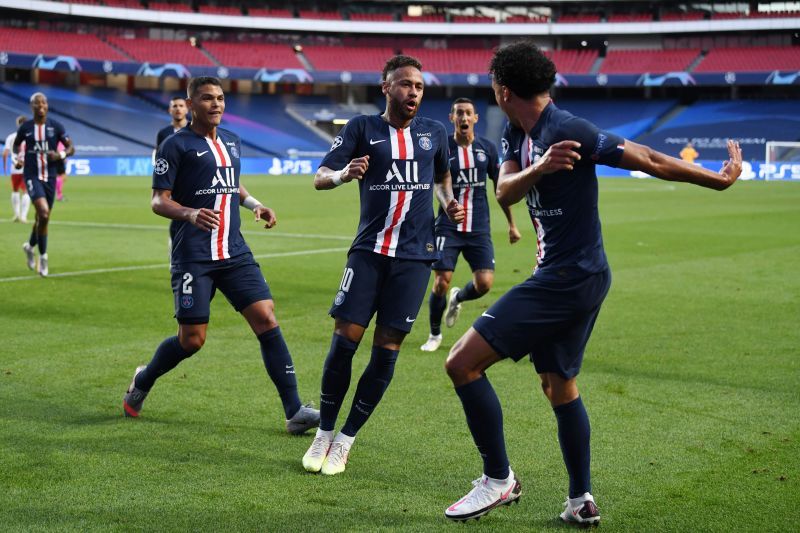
[516,151]
[451,159]
[376,142]
[289,366]
[410,320]
[28,134]
[201,154]
[487,315]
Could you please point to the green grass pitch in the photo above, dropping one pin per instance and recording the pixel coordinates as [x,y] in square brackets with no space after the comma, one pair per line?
[691,379]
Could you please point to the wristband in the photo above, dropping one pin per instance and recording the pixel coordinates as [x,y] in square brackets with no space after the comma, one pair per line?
[250,203]
[62,154]
[336,179]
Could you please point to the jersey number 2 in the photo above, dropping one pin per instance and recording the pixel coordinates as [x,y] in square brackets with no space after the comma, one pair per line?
[187,280]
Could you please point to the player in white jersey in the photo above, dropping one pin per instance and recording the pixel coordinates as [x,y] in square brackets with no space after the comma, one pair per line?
[20,201]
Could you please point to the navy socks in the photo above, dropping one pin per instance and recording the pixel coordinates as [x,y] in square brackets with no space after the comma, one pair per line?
[373,383]
[335,380]
[436,306]
[574,435]
[279,365]
[468,293]
[168,354]
[485,421]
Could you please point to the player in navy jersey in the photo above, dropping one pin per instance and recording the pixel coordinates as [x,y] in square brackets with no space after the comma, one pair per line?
[178,111]
[41,136]
[400,163]
[196,184]
[473,162]
[549,158]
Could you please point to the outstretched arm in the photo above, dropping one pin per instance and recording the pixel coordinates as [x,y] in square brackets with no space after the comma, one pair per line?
[443,189]
[643,158]
[163,204]
[327,178]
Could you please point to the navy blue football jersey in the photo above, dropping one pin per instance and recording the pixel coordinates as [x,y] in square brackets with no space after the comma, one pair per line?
[163,133]
[470,169]
[202,172]
[563,205]
[39,139]
[397,190]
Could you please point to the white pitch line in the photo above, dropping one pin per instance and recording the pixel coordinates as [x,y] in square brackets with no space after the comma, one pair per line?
[163,265]
[164,228]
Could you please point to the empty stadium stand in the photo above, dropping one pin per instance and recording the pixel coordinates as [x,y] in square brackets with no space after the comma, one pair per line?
[573,61]
[451,60]
[36,42]
[253,55]
[626,117]
[756,59]
[158,51]
[651,61]
[351,58]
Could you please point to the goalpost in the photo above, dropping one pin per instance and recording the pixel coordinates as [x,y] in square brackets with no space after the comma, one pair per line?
[781,157]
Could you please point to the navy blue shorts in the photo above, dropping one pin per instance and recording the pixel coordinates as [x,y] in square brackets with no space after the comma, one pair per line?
[550,320]
[41,189]
[194,285]
[394,288]
[477,250]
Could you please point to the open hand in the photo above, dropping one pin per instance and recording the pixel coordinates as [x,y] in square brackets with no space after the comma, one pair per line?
[732,168]
[267,215]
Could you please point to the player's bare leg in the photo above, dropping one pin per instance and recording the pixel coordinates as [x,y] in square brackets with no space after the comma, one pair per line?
[574,436]
[260,316]
[469,358]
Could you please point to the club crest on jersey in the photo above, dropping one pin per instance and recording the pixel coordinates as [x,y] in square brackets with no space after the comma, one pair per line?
[161,166]
[337,142]
[51,131]
[481,156]
[234,152]
[187,301]
[429,247]
[228,180]
[340,296]
[425,143]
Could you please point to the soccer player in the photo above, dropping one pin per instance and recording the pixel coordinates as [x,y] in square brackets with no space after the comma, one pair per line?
[20,201]
[178,111]
[473,161]
[400,162]
[41,136]
[196,184]
[549,158]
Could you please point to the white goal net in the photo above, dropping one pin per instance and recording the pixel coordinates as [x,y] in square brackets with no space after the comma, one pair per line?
[782,160]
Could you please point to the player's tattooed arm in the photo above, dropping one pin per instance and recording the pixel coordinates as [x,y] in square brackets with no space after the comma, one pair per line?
[643,158]
[515,182]
[327,178]
[443,189]
[163,204]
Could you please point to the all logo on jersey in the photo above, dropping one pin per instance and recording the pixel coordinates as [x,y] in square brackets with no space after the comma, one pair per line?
[227,180]
[469,176]
[411,174]
[337,142]
[425,143]
[161,166]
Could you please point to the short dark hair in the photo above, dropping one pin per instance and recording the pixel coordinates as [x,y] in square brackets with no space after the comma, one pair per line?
[196,83]
[523,68]
[400,61]
[178,97]
[461,100]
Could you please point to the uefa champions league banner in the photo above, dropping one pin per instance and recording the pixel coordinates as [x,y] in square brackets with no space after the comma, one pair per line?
[299,75]
[273,166]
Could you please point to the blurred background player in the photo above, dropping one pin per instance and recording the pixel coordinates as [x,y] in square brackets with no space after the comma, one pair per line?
[549,159]
[196,184]
[20,201]
[179,113]
[473,161]
[400,163]
[41,137]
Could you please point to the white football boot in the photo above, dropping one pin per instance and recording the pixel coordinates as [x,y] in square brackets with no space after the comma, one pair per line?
[432,344]
[43,270]
[453,308]
[486,494]
[317,452]
[336,460]
[581,511]
[30,255]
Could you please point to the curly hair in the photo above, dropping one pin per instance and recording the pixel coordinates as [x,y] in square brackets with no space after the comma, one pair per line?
[400,61]
[523,68]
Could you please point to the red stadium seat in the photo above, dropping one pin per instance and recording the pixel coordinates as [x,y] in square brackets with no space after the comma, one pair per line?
[37,42]
[156,51]
[573,61]
[652,61]
[453,60]
[760,59]
[351,58]
[253,55]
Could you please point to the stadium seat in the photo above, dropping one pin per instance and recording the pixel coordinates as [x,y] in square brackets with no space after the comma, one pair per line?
[351,58]
[751,59]
[253,55]
[651,61]
[158,51]
[35,42]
